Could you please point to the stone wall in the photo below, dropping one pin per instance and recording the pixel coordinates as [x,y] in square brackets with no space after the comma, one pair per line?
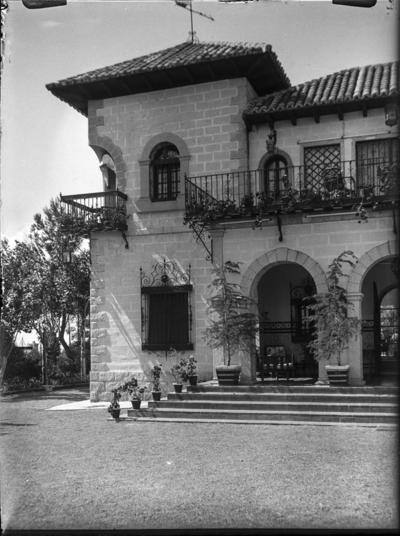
[206,122]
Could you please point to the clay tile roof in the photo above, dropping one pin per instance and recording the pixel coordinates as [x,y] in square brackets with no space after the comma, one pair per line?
[178,65]
[350,88]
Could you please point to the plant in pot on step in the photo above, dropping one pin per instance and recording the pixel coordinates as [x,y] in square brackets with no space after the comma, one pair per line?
[232,325]
[114,408]
[156,380]
[179,373]
[191,370]
[333,325]
[135,392]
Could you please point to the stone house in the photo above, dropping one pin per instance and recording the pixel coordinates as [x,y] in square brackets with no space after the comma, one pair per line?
[209,154]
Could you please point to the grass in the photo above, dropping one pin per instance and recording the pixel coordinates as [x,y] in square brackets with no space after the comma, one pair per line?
[78,470]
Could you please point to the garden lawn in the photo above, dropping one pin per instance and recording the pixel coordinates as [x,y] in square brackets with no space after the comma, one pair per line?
[79,470]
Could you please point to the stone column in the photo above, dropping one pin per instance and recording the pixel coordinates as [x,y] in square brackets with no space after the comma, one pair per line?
[217,241]
[217,237]
[353,356]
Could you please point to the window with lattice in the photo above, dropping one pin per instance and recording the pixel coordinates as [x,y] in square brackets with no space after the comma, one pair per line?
[321,162]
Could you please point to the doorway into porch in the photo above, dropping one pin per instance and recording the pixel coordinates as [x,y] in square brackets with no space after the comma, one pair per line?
[284,293]
[380,323]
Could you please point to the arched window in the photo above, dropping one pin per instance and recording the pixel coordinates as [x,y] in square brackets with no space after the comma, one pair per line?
[275,176]
[164,173]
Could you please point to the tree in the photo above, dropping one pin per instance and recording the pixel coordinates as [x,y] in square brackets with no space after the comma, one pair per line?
[232,326]
[333,326]
[41,292]
[16,316]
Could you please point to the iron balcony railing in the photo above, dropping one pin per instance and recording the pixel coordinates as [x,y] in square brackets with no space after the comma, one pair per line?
[98,211]
[291,188]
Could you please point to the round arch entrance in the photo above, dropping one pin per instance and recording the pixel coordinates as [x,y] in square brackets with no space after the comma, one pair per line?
[380,323]
[283,292]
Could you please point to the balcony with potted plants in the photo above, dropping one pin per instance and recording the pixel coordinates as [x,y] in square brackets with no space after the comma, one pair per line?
[257,194]
[100,211]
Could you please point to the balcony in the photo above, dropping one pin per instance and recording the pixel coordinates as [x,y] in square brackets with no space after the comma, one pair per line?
[291,189]
[102,211]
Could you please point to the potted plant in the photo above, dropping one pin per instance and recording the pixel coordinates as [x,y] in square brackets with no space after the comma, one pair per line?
[114,407]
[135,392]
[156,380]
[232,326]
[334,327]
[191,370]
[180,375]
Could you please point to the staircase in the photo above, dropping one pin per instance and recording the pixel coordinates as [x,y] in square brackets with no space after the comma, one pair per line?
[274,404]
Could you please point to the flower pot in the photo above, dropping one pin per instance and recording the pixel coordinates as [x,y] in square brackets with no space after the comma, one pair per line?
[228,375]
[193,379]
[136,403]
[115,414]
[178,387]
[338,374]
[156,395]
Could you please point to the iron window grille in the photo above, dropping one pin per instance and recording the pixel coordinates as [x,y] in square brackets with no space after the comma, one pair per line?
[166,309]
[322,167]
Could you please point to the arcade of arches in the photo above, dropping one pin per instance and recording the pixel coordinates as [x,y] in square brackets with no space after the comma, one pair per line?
[286,324]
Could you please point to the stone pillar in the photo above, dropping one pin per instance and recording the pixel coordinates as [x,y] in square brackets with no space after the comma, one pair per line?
[217,237]
[217,240]
[353,356]
[322,374]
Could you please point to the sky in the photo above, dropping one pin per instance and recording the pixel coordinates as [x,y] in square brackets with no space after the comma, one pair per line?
[44,142]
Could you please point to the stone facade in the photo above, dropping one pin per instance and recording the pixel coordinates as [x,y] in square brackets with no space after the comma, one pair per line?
[205,122]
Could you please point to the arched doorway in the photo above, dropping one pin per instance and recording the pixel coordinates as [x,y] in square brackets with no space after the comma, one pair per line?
[284,291]
[380,323]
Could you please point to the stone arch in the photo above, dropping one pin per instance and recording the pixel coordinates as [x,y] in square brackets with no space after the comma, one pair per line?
[104,144]
[257,268]
[367,261]
[144,170]
[166,137]
[277,152]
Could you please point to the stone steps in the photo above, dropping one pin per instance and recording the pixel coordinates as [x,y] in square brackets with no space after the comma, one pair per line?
[235,405]
[276,404]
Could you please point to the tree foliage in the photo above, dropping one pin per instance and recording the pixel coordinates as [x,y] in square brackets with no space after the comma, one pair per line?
[40,291]
[232,325]
[333,326]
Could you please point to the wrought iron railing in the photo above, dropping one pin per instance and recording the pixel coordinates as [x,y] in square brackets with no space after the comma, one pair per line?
[96,211]
[291,188]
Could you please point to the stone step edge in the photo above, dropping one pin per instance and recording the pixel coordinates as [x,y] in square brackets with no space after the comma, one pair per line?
[258,422]
[253,403]
[271,412]
[280,394]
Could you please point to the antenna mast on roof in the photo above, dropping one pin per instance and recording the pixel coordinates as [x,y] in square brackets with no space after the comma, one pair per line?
[187,4]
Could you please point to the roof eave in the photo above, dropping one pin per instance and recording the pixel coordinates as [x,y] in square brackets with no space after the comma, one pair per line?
[252,118]
[263,73]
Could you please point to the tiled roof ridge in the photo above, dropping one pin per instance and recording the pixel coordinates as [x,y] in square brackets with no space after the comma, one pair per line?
[167,54]
[349,84]
[360,68]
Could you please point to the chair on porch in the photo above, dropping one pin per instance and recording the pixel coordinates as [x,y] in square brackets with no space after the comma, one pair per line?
[274,363]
